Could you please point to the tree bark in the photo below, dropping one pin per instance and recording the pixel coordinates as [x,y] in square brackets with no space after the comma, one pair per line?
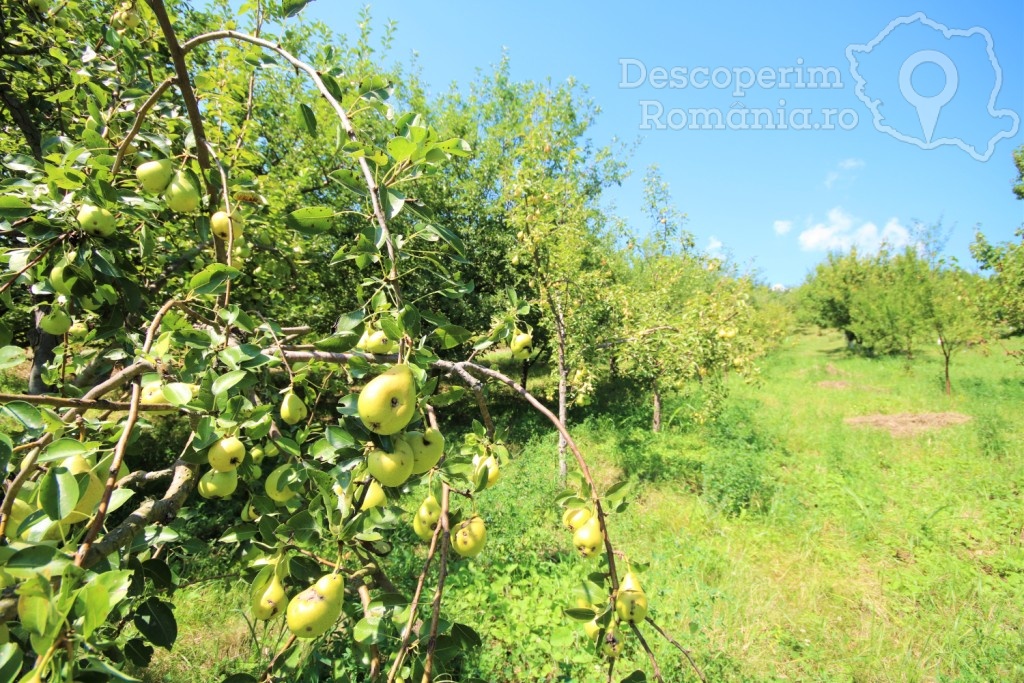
[563,373]
[946,356]
[656,420]
[43,345]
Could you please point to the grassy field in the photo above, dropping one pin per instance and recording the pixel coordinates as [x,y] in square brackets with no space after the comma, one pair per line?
[783,542]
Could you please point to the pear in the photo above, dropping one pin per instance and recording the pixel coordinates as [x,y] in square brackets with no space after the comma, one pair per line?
[612,645]
[274,488]
[588,538]
[216,484]
[374,497]
[631,601]
[90,498]
[574,518]
[422,529]
[391,469]
[310,613]
[155,176]
[268,602]
[222,225]
[181,195]
[331,586]
[490,463]
[388,402]
[293,410]
[97,221]
[429,511]
[227,454]
[469,536]
[427,448]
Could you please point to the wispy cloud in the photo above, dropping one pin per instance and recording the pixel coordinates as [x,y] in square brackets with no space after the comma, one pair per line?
[842,170]
[842,231]
[782,227]
[714,245]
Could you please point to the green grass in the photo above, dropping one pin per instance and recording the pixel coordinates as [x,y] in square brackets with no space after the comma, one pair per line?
[783,543]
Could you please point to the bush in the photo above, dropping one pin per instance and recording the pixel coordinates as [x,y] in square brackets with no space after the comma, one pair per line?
[738,480]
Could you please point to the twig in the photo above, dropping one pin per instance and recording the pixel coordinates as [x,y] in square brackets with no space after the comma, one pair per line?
[686,653]
[442,574]
[137,126]
[656,670]
[82,403]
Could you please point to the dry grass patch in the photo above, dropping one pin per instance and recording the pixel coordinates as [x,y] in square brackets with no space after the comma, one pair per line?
[908,424]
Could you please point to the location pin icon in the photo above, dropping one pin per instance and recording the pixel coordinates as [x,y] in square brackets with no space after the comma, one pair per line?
[928,108]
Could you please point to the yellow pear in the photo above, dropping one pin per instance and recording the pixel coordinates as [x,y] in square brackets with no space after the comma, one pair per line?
[469,536]
[331,586]
[268,602]
[388,402]
[310,614]
[422,529]
[216,484]
[574,518]
[588,538]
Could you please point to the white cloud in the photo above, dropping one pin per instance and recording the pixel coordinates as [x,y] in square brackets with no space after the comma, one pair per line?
[841,232]
[782,227]
[843,169]
[779,287]
[714,245]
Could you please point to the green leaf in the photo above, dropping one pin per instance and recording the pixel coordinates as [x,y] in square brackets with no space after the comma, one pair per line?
[25,413]
[311,219]
[156,622]
[240,678]
[10,662]
[226,381]
[33,557]
[637,676]
[308,118]
[11,356]
[293,7]
[350,180]
[401,149]
[58,493]
[138,652]
[580,613]
[213,279]
[368,632]
[393,202]
[64,448]
[391,327]
[94,606]
[451,336]
[338,343]
[177,393]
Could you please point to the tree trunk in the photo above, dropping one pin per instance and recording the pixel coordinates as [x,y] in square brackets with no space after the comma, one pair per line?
[43,345]
[947,355]
[656,420]
[563,375]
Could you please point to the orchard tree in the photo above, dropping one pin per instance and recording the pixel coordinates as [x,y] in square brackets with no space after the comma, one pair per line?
[955,312]
[682,313]
[119,227]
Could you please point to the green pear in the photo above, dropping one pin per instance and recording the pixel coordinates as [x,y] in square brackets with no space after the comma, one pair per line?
[155,176]
[391,469]
[422,529]
[56,322]
[588,538]
[293,410]
[388,402]
[223,225]
[216,484]
[331,586]
[96,221]
[226,454]
[268,602]
[181,195]
[310,614]
[427,448]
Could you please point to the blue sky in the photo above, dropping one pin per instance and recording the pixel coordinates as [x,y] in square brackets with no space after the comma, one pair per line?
[774,200]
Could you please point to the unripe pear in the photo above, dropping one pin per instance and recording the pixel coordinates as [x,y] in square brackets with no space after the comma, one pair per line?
[331,586]
[388,402]
[96,221]
[391,469]
[424,531]
[588,538]
[269,602]
[155,176]
[490,464]
[574,518]
[216,484]
[427,449]
[275,489]
[181,195]
[227,454]
[222,225]
[293,410]
[429,511]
